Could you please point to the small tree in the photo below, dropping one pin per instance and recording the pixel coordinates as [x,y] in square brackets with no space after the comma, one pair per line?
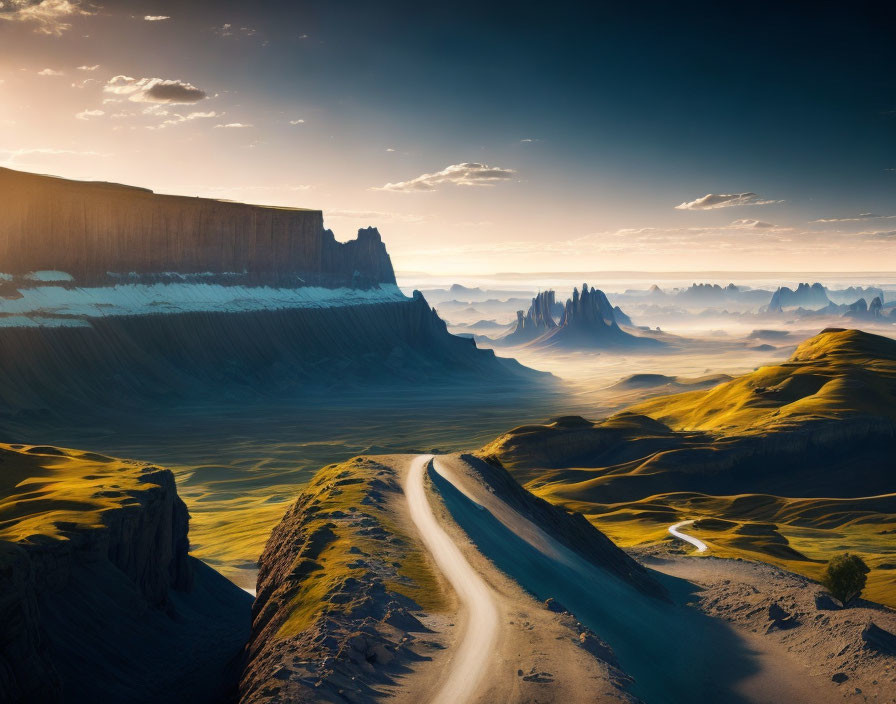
[845,577]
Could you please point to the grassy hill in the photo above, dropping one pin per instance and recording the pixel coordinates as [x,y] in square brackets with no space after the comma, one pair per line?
[834,375]
[789,464]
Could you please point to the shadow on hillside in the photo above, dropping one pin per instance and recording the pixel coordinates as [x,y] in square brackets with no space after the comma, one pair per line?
[675,654]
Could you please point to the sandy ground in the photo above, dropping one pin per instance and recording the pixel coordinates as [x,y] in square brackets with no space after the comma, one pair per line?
[799,660]
[536,654]
[712,644]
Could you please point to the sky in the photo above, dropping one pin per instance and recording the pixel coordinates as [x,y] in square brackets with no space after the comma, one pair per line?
[485,137]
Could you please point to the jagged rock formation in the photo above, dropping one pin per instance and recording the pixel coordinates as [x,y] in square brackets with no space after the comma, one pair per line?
[589,322]
[853,293]
[99,598]
[538,320]
[858,309]
[805,296]
[707,293]
[862,310]
[90,230]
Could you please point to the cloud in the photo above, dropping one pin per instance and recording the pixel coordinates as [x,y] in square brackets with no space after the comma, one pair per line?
[747,224]
[156,18]
[49,16]
[234,125]
[373,216]
[297,122]
[89,68]
[878,234]
[155,90]
[177,118]
[857,218]
[466,174]
[15,154]
[83,84]
[87,114]
[228,30]
[711,201]
[49,72]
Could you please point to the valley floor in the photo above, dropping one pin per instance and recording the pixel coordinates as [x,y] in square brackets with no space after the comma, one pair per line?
[776,614]
[713,643]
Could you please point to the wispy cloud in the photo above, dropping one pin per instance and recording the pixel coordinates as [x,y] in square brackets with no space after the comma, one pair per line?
[857,218]
[16,156]
[878,234]
[747,224]
[48,16]
[87,114]
[156,18]
[154,90]
[711,201]
[373,216]
[297,122]
[229,30]
[234,125]
[49,72]
[89,68]
[465,174]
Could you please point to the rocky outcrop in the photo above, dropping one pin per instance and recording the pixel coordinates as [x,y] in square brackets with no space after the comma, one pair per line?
[589,322]
[853,293]
[538,320]
[99,597]
[90,230]
[805,296]
[337,584]
[862,310]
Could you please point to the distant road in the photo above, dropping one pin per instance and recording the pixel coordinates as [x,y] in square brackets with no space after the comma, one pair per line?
[699,544]
[468,666]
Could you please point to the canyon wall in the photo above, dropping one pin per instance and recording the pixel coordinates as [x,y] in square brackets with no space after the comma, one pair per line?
[90,229]
[139,361]
[99,598]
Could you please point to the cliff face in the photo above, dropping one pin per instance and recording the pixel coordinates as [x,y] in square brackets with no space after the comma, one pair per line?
[96,584]
[91,229]
[115,294]
[140,360]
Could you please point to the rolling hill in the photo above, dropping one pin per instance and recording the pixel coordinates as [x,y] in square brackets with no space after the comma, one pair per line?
[789,463]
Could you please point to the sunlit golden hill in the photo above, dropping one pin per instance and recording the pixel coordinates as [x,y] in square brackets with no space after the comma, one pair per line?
[835,375]
[790,463]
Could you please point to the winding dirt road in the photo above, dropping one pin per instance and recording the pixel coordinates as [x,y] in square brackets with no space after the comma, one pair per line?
[467,668]
[699,544]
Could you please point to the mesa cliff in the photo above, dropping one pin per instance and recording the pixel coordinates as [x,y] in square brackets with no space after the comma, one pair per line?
[99,597]
[92,230]
[116,295]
